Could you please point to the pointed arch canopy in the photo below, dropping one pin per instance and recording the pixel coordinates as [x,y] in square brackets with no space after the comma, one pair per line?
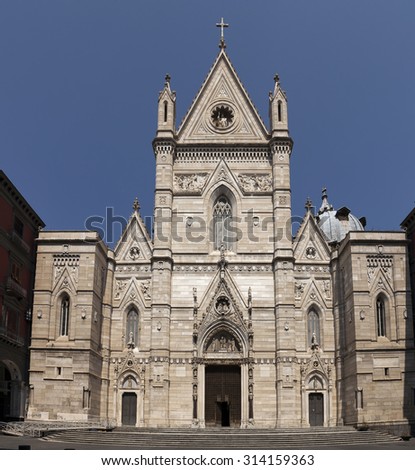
[222,224]
[223,337]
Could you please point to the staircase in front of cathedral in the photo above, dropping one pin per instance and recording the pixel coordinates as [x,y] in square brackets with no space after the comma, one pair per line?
[229,439]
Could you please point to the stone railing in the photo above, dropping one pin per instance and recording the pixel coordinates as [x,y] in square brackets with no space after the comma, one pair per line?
[40,428]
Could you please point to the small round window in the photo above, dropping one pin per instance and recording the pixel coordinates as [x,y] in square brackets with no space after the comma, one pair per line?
[222,117]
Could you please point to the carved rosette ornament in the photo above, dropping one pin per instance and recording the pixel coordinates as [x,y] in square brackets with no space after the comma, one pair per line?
[134,253]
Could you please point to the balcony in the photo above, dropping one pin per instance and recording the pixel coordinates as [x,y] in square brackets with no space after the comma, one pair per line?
[20,242]
[11,337]
[14,289]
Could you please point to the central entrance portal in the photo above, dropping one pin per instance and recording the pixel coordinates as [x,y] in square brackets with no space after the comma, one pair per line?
[223,396]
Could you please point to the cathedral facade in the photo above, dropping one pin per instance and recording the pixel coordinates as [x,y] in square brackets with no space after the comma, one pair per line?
[222,318]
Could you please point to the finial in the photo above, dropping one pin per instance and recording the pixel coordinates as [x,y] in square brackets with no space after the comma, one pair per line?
[167,78]
[136,205]
[325,206]
[308,204]
[276,78]
[222,25]
[222,253]
[314,342]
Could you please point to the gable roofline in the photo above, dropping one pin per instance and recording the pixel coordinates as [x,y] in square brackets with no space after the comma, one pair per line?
[222,56]
[134,218]
[8,188]
[309,218]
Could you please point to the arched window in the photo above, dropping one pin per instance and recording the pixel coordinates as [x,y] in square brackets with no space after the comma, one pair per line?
[279,110]
[381,316]
[64,326]
[222,218]
[132,328]
[165,111]
[313,328]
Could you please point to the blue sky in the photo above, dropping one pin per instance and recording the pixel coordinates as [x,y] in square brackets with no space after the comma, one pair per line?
[80,81]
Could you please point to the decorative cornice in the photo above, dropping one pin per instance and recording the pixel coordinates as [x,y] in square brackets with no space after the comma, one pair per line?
[215,154]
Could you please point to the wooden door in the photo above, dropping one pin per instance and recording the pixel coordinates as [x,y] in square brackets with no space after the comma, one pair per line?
[129,409]
[223,396]
[316,409]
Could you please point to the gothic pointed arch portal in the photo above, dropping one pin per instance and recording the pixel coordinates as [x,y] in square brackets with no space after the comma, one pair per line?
[223,368]
[223,376]
[129,391]
[316,392]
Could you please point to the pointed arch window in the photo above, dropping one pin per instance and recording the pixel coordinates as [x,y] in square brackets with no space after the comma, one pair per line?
[64,323]
[381,316]
[222,218]
[279,110]
[313,321]
[165,111]
[132,328]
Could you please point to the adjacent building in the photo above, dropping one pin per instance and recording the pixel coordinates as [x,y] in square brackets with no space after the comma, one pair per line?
[19,226]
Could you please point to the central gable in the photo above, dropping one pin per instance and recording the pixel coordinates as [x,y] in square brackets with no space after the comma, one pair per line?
[222,111]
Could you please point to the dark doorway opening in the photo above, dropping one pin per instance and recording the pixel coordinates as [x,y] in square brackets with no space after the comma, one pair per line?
[224,414]
[5,393]
[223,396]
[129,409]
[316,409]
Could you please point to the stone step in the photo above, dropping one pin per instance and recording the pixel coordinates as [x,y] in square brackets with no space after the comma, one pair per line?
[229,439]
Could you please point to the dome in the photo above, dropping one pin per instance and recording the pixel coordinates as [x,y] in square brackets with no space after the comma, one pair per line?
[336,224]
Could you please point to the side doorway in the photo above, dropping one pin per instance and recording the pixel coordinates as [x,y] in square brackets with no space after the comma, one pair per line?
[129,409]
[316,409]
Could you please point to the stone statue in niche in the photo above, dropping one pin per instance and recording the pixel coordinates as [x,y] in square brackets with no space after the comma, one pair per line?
[119,288]
[145,289]
[299,289]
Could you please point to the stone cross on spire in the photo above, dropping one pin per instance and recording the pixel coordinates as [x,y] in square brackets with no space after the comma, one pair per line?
[136,205]
[222,25]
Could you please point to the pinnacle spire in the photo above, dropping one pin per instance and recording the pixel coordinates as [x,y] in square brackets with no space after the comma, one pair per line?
[325,206]
[136,205]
